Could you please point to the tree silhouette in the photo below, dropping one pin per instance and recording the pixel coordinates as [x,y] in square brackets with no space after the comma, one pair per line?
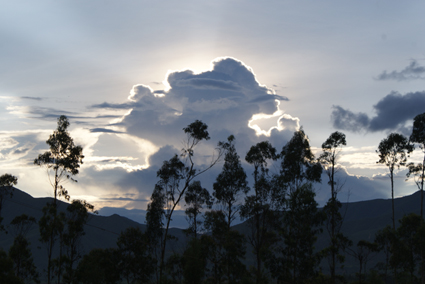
[7,181]
[393,152]
[364,252]
[77,214]
[418,136]
[196,196]
[329,159]
[257,207]
[99,266]
[298,162]
[134,262]
[226,249]
[175,176]
[231,181]
[62,160]
[20,252]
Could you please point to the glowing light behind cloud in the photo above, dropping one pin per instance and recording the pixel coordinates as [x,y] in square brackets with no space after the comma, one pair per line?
[263,124]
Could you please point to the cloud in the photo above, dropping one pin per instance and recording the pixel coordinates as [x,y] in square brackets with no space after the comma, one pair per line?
[348,120]
[392,112]
[226,98]
[31,98]
[412,72]
[103,130]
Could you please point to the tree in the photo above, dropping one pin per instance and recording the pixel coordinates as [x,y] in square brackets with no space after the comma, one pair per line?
[135,263]
[393,152]
[329,159]
[20,252]
[418,136]
[384,239]
[175,176]
[226,249]
[154,222]
[294,259]
[231,181]
[409,246]
[196,196]
[99,266]
[7,181]
[257,207]
[298,162]
[51,226]
[62,160]
[7,274]
[365,251]
[77,214]
[195,261]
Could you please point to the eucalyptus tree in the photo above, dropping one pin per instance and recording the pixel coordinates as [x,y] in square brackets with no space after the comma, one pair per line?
[294,259]
[231,181]
[299,226]
[76,217]
[299,164]
[175,176]
[134,262]
[393,152]
[20,252]
[225,249]
[196,197]
[257,207]
[418,170]
[364,252]
[7,181]
[329,159]
[62,161]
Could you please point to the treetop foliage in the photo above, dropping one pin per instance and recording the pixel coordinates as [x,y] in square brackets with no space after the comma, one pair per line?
[394,150]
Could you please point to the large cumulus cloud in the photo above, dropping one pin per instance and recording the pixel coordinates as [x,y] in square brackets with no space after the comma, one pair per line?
[392,112]
[225,98]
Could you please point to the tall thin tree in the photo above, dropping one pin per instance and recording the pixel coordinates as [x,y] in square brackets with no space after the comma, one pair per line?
[393,152]
[418,137]
[175,176]
[329,159]
[257,207]
[231,182]
[62,160]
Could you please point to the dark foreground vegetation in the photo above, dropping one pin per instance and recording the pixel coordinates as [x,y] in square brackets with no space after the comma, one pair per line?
[282,220]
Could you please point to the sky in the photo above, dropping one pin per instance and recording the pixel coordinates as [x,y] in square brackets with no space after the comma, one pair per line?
[130,75]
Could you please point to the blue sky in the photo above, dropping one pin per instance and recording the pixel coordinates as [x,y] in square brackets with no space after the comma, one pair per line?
[131,74]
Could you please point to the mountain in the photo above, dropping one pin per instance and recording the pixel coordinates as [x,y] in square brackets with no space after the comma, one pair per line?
[361,221]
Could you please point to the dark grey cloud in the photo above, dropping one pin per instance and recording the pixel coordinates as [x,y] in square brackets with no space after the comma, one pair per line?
[412,72]
[348,120]
[32,98]
[103,130]
[392,112]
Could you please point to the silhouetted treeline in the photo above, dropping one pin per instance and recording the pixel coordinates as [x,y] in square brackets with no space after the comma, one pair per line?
[282,220]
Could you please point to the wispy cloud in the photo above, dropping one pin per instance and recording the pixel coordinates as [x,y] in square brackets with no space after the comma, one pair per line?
[413,71]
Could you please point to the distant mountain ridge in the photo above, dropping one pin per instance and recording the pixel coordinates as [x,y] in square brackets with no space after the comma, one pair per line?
[362,220]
